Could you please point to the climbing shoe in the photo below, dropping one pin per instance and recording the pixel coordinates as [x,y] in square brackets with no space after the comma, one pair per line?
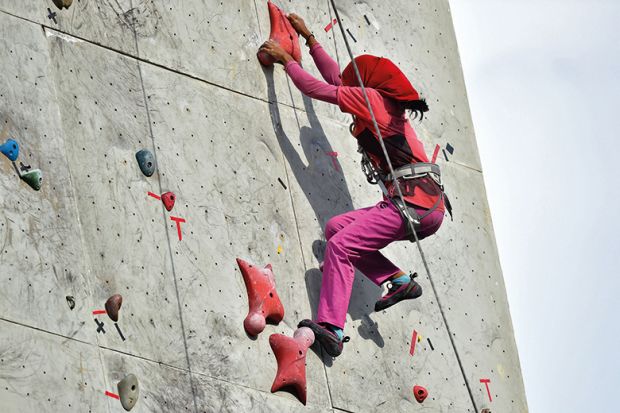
[399,292]
[328,340]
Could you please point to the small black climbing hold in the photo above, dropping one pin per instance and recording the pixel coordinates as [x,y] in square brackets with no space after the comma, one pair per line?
[282,183]
[450,149]
[367,21]
[430,344]
[33,178]
[10,149]
[70,302]
[128,391]
[146,162]
[63,3]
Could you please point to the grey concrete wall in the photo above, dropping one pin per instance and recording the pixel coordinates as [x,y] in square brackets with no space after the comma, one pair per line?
[84,93]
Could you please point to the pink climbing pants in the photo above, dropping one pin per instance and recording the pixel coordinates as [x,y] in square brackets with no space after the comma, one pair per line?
[354,240]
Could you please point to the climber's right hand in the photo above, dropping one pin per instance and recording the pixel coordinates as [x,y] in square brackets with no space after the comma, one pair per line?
[299,25]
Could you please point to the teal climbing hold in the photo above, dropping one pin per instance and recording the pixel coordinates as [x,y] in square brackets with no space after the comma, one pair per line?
[33,178]
[146,162]
[10,149]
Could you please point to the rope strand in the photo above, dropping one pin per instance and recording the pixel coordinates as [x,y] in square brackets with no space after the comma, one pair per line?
[400,195]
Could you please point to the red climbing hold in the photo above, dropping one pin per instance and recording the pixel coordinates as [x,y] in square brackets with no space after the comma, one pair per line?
[420,393]
[113,305]
[283,33]
[263,300]
[168,200]
[291,356]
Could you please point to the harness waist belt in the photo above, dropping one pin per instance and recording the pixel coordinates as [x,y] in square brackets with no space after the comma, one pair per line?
[415,170]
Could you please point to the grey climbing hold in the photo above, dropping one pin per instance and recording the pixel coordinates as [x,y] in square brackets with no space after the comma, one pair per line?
[10,149]
[70,301]
[113,305]
[128,391]
[146,162]
[34,178]
[63,3]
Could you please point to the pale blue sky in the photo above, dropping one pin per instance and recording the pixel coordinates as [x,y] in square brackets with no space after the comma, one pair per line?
[543,79]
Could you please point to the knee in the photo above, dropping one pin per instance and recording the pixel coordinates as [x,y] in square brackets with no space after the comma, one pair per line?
[338,245]
[332,227]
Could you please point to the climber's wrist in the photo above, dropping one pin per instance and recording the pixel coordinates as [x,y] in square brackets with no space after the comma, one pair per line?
[311,40]
[285,58]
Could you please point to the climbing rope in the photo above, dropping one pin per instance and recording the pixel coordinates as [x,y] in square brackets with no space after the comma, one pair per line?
[400,195]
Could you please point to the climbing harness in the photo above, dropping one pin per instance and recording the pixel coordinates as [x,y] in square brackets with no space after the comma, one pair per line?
[410,173]
[402,200]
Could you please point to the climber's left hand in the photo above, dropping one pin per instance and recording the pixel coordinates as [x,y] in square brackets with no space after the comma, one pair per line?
[272,48]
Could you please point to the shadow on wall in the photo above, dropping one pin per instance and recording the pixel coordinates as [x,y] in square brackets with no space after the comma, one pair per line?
[328,197]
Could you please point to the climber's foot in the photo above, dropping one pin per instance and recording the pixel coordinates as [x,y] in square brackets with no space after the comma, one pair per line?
[328,340]
[397,293]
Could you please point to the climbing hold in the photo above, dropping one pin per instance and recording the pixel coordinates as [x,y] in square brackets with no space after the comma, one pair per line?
[420,393]
[168,199]
[291,356]
[283,33]
[113,305]
[146,162]
[485,410]
[263,301]
[34,178]
[63,3]
[70,302]
[10,149]
[128,390]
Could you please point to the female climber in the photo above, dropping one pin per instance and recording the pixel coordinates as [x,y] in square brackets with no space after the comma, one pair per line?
[355,238]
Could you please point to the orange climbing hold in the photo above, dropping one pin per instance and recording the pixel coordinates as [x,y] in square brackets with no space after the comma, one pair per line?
[283,33]
[291,356]
[420,393]
[264,303]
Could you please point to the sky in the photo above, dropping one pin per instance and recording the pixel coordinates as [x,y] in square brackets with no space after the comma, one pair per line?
[543,81]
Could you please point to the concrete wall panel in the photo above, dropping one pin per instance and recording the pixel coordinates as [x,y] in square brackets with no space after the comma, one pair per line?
[235,206]
[42,259]
[105,122]
[253,164]
[109,23]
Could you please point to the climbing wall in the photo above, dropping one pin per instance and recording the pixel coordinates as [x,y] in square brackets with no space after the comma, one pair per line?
[257,170]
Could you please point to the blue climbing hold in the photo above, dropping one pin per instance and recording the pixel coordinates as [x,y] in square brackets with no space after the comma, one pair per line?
[146,162]
[10,149]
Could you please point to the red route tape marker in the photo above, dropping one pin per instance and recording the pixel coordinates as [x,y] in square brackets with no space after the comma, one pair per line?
[330,25]
[154,195]
[486,383]
[95,312]
[414,339]
[334,155]
[112,395]
[435,153]
[178,221]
